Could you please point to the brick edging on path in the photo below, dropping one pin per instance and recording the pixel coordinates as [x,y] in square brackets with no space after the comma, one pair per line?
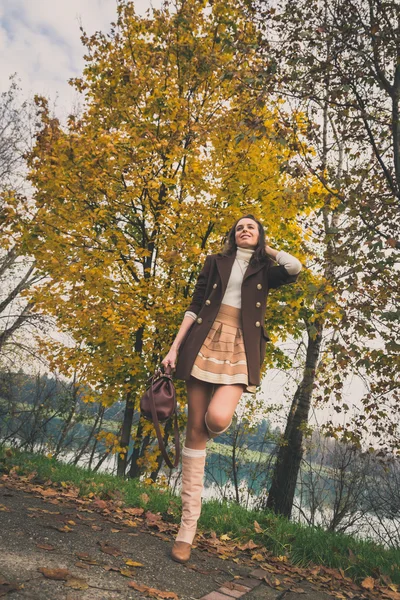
[235,588]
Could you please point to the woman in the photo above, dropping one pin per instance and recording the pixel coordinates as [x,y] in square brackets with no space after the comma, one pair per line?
[221,344]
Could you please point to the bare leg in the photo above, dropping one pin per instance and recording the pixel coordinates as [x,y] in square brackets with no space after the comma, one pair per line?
[199,396]
[193,461]
[222,406]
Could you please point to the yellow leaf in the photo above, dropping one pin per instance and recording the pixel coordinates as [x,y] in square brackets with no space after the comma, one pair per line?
[258,557]
[127,572]
[132,563]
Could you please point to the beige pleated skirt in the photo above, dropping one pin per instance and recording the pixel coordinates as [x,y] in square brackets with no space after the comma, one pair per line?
[222,357]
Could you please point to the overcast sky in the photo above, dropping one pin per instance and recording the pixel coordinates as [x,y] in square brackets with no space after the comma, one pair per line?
[40,41]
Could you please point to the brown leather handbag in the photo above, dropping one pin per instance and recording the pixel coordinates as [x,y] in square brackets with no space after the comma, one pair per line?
[158,403]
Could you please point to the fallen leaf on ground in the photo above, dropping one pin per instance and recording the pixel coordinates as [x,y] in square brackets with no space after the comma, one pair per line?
[132,563]
[250,545]
[144,498]
[156,520]
[198,570]
[115,530]
[4,508]
[136,512]
[100,504]
[159,535]
[129,522]
[109,549]
[149,591]
[127,572]
[82,518]
[46,492]
[76,584]
[391,594]
[268,580]
[86,558]
[82,565]
[43,510]
[8,586]
[257,527]
[258,557]
[368,583]
[64,529]
[153,518]
[297,590]
[58,574]
[45,547]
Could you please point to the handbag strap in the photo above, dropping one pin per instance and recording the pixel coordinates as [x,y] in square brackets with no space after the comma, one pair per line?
[157,426]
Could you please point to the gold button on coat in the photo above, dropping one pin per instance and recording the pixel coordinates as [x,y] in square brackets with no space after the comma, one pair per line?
[214,286]
[258,323]
[259,286]
[199,320]
[208,302]
[258,304]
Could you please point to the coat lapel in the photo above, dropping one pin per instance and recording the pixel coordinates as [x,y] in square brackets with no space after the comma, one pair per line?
[224,265]
[252,269]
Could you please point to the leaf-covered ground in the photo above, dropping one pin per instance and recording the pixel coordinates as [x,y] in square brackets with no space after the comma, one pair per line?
[56,544]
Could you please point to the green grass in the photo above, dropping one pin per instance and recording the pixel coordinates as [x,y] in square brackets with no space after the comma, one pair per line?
[302,545]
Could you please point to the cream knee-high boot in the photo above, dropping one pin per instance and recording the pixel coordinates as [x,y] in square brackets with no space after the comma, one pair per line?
[193,462]
[212,434]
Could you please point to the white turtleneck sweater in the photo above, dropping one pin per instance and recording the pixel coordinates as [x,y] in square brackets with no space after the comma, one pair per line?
[232,295]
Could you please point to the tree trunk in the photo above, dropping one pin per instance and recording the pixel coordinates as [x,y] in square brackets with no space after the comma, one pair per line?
[283,487]
[67,423]
[125,436]
[128,417]
[138,452]
[235,466]
[160,459]
[89,438]
[134,471]
[95,443]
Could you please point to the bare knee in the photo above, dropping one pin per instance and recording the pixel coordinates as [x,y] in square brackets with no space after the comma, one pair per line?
[217,420]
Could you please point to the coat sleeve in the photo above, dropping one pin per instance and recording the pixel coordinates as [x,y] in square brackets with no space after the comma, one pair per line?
[287,271]
[200,288]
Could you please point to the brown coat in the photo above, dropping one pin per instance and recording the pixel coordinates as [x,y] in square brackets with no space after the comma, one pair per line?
[208,293]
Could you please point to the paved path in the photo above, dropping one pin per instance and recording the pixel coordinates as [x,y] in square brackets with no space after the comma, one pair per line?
[92,550]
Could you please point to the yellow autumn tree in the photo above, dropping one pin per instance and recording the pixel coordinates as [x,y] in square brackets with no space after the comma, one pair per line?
[173,144]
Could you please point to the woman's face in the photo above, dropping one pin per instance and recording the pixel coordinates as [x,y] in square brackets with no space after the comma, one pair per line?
[246,233]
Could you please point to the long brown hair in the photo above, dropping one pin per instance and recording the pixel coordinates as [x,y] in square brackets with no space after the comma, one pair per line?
[230,246]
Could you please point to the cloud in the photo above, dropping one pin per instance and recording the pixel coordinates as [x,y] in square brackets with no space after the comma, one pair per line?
[40,41]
